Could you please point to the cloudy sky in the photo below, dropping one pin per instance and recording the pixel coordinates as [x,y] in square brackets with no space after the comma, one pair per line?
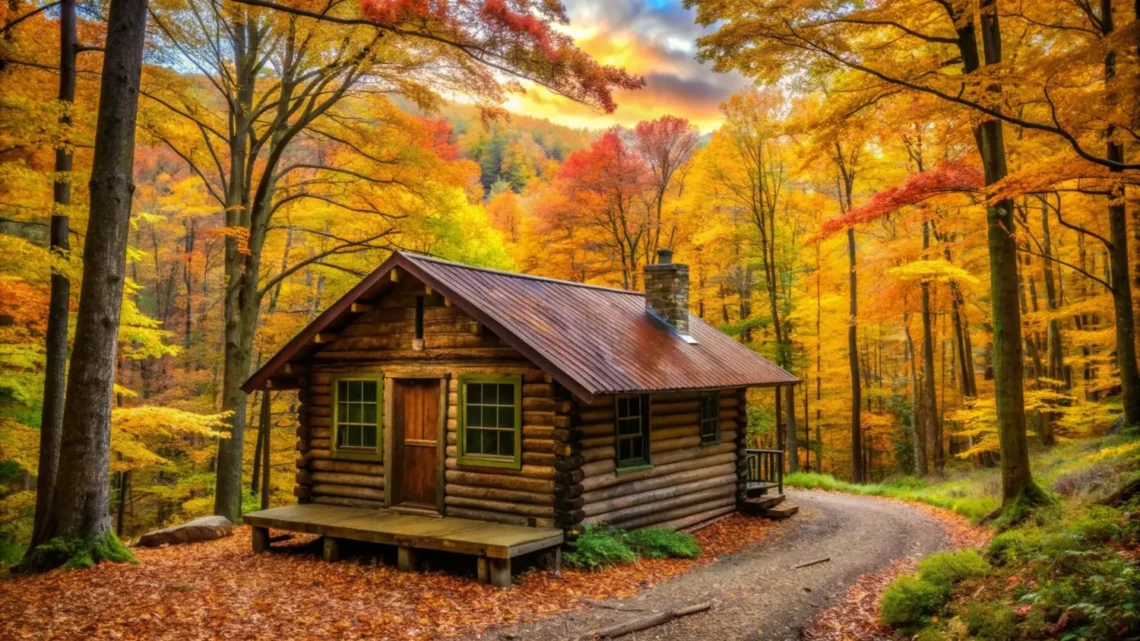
[653,38]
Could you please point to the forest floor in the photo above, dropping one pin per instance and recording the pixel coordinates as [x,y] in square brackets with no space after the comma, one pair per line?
[758,593]
[222,590]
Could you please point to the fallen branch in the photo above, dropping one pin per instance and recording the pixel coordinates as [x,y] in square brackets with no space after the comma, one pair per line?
[811,563]
[622,629]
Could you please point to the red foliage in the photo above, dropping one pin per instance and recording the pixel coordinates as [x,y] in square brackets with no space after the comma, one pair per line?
[221,590]
[947,178]
[512,36]
[439,133]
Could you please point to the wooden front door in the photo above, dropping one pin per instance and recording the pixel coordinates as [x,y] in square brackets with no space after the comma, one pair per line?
[415,441]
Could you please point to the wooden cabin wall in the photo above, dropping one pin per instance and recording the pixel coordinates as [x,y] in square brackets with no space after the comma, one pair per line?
[382,340]
[688,482]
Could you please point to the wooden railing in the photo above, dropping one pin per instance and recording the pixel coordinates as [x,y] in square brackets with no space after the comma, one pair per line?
[766,466]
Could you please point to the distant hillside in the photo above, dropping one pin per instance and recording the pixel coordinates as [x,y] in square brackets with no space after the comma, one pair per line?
[510,150]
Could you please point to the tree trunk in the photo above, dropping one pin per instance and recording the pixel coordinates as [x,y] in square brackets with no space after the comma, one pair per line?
[853,361]
[1118,254]
[790,430]
[80,510]
[238,324]
[55,347]
[266,429]
[930,401]
[917,433]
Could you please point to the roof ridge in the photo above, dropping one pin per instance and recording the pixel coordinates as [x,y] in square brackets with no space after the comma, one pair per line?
[500,272]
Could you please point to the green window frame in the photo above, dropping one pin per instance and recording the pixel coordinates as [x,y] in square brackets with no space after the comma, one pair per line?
[710,418]
[358,417]
[490,420]
[631,432]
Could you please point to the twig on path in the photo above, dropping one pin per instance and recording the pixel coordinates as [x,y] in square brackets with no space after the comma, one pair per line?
[645,623]
[811,563]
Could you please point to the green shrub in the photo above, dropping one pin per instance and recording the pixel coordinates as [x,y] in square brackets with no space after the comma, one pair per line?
[990,620]
[597,548]
[659,543]
[909,601]
[931,633]
[1100,524]
[945,569]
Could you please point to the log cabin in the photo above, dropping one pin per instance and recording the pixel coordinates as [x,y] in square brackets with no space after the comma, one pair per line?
[457,408]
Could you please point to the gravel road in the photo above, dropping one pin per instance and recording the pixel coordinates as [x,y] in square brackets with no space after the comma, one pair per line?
[756,595]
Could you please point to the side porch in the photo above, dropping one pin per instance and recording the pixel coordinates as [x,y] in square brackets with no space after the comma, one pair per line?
[493,545]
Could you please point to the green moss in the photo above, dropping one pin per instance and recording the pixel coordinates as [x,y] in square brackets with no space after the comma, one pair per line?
[945,569]
[990,620]
[908,602]
[659,543]
[75,554]
[1026,505]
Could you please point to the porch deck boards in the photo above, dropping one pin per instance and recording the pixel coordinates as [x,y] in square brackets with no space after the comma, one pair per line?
[388,527]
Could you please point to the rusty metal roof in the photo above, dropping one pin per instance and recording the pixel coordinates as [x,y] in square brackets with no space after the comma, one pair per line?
[593,340]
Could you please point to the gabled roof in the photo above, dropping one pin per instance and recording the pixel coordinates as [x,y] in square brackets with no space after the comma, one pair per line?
[593,340]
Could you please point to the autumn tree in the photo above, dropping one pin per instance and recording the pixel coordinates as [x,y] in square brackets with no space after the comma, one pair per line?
[77,529]
[666,145]
[282,81]
[770,39]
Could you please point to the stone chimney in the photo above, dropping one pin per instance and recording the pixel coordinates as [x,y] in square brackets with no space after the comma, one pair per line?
[667,291]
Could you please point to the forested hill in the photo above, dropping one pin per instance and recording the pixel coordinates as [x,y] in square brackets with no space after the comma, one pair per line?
[511,149]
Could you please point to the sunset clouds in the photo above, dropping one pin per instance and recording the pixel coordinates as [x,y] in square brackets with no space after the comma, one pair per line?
[653,38]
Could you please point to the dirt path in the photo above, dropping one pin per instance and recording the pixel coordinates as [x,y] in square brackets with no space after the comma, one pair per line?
[756,594]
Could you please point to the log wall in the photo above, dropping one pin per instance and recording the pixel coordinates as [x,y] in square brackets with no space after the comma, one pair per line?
[688,482]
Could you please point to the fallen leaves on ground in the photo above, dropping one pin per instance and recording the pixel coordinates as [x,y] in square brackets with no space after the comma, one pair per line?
[856,618]
[221,590]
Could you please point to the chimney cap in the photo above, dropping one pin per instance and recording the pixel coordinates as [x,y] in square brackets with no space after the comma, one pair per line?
[664,256]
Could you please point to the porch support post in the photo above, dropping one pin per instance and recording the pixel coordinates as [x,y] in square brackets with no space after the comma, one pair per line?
[260,539]
[406,559]
[483,570]
[500,570]
[331,551]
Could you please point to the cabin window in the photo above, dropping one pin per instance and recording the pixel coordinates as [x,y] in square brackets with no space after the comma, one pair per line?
[357,417]
[490,421]
[632,431]
[710,418]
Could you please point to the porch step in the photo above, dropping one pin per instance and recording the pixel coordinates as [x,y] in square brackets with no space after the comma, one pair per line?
[780,512]
[761,504]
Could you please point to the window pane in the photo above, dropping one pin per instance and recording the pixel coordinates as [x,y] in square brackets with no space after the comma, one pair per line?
[474,442]
[369,414]
[490,394]
[342,390]
[506,394]
[506,417]
[623,407]
[354,413]
[369,436]
[370,391]
[507,443]
[474,393]
[474,416]
[490,442]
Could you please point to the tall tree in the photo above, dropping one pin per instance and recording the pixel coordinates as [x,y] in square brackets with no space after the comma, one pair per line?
[769,37]
[666,144]
[282,77]
[78,527]
[55,369]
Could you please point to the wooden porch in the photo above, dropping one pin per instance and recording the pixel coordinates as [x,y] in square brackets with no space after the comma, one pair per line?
[493,544]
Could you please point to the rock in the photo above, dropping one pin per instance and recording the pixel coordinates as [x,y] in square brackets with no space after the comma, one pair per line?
[206,528]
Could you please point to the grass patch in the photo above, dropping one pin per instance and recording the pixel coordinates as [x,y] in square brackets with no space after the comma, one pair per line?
[1063,567]
[961,496]
[598,548]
